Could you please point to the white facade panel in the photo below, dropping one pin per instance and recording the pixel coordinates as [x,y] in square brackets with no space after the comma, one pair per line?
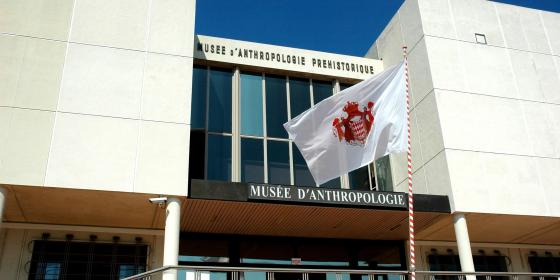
[437,177]
[419,73]
[526,77]
[166,88]
[93,152]
[429,128]
[437,19]
[121,24]
[31,72]
[551,22]
[507,183]
[476,16]
[163,158]
[12,49]
[171,28]
[411,32]
[25,149]
[512,27]
[38,18]
[548,177]
[482,123]
[446,64]
[391,39]
[102,81]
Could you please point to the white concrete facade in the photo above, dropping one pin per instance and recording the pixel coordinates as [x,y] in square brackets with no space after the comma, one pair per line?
[485,117]
[93,99]
[94,95]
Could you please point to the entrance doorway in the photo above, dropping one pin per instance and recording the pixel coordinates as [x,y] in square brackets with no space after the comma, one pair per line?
[289,252]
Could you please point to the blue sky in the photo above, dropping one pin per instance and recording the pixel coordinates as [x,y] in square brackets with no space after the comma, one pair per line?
[338,26]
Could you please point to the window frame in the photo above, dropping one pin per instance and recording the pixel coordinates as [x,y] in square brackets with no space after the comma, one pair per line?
[236,134]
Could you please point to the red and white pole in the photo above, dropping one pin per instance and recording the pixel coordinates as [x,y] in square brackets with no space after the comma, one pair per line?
[409,161]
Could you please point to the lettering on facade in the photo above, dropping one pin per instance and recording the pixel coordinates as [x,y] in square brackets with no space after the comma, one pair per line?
[329,196]
[255,55]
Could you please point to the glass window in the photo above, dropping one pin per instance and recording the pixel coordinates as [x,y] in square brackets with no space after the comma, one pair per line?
[278,162]
[314,253]
[253,275]
[444,263]
[359,179]
[219,114]
[252,160]
[198,106]
[482,263]
[219,158]
[196,154]
[86,260]
[321,91]
[251,105]
[344,86]
[264,252]
[276,106]
[203,250]
[384,180]
[300,98]
[302,176]
[334,183]
[52,271]
[544,264]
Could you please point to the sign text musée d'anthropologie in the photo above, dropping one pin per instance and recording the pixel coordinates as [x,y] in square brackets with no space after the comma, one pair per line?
[327,196]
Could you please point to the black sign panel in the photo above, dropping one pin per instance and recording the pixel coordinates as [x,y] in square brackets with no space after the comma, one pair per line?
[326,196]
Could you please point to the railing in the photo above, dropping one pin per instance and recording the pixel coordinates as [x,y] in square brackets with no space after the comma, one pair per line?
[184,272]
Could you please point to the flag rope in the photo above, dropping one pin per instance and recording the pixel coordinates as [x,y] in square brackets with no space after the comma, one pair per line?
[409,162]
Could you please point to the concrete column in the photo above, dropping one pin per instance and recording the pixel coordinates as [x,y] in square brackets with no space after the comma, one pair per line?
[3,195]
[463,244]
[171,236]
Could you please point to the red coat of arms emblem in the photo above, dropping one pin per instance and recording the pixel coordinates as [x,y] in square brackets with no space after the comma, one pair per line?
[355,127]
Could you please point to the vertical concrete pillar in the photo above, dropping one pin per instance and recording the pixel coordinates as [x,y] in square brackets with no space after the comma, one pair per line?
[3,194]
[171,236]
[463,244]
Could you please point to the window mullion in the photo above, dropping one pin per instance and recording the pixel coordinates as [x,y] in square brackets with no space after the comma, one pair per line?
[265,135]
[207,109]
[235,134]
[291,148]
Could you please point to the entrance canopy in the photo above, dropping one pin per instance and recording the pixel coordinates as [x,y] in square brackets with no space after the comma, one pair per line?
[230,208]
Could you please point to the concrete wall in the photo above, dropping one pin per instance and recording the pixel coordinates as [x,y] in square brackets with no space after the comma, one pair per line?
[486,118]
[96,94]
[16,247]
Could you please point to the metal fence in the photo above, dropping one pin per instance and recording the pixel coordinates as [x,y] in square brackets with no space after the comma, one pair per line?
[184,272]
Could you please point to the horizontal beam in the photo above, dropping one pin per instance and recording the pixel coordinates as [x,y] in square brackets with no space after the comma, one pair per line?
[54,227]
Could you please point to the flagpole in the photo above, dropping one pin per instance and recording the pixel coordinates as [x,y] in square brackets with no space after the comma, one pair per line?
[409,161]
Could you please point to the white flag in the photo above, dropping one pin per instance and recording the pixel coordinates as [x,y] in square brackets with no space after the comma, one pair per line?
[351,129]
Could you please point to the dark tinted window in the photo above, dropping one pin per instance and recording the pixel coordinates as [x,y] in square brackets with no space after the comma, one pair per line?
[321,91]
[300,97]
[198,105]
[86,260]
[278,162]
[302,176]
[219,115]
[219,158]
[276,106]
[252,160]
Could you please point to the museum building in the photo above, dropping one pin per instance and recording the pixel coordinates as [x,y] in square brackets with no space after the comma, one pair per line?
[128,143]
